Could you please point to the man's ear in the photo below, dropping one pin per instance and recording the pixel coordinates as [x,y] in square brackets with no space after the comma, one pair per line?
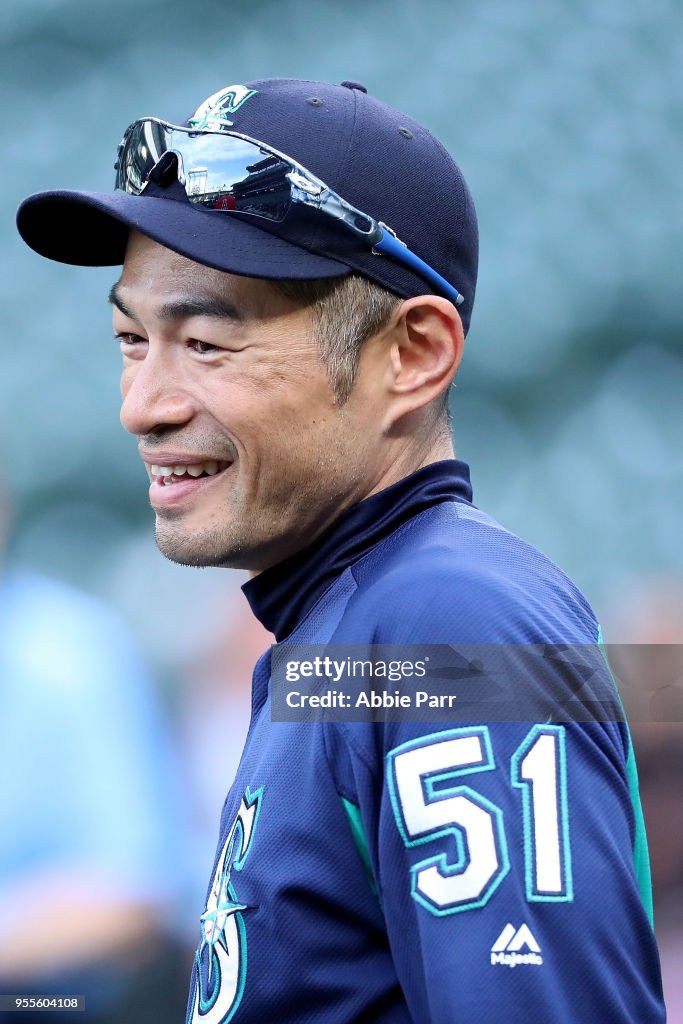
[425,349]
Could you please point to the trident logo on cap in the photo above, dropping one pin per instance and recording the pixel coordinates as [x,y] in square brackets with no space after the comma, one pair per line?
[212,115]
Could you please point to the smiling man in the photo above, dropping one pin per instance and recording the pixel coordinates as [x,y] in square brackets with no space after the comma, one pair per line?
[251,455]
[299,266]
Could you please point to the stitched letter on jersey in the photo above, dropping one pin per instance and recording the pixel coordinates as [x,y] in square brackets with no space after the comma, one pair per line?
[221,960]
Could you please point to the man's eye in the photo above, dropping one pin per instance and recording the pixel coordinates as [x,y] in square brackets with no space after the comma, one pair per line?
[126,338]
[202,347]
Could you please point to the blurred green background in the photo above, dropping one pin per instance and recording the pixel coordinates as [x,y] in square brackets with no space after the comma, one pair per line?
[566,117]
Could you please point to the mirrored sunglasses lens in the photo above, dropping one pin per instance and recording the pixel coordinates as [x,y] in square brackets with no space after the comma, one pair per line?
[221,173]
[143,146]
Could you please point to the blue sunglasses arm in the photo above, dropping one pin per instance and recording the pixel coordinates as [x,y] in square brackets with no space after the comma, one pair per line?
[388,245]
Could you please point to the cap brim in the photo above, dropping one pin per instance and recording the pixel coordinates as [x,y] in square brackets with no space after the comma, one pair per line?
[90,229]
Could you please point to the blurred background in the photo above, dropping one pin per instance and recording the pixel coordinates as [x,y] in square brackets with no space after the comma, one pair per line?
[566,117]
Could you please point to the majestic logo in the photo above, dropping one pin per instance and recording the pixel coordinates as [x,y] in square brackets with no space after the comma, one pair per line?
[221,960]
[507,949]
[212,116]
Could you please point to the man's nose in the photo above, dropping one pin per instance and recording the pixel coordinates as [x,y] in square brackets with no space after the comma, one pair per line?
[153,398]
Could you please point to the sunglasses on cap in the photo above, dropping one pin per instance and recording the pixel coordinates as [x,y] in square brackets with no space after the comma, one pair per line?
[233,173]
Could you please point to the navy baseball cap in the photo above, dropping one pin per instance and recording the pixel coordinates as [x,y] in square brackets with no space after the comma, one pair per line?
[377,159]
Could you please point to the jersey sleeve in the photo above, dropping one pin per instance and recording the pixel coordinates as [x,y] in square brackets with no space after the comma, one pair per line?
[503,854]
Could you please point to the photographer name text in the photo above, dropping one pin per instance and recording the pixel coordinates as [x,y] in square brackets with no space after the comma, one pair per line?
[370,699]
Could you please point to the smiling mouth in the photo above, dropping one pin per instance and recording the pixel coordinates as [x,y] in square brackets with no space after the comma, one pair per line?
[166,476]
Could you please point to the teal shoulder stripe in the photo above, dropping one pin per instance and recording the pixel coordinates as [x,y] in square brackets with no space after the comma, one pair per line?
[360,839]
[641,856]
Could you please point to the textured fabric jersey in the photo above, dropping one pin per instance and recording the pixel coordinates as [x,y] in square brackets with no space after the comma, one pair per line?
[396,872]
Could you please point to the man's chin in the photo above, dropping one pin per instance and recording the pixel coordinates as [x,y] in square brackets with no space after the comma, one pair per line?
[229,547]
[197,551]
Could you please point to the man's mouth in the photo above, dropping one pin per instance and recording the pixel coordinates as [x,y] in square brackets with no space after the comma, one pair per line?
[166,476]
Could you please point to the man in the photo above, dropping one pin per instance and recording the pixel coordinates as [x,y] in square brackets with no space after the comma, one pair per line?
[299,265]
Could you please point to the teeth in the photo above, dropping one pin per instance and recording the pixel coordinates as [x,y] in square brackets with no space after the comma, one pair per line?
[211,468]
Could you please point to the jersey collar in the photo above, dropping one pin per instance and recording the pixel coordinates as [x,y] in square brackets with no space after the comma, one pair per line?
[281,596]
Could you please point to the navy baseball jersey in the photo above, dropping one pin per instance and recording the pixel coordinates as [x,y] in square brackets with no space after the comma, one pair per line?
[394,872]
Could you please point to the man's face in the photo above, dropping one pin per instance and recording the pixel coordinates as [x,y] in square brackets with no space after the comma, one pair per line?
[223,383]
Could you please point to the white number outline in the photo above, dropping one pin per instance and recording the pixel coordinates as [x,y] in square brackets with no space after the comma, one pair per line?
[485,762]
[533,893]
